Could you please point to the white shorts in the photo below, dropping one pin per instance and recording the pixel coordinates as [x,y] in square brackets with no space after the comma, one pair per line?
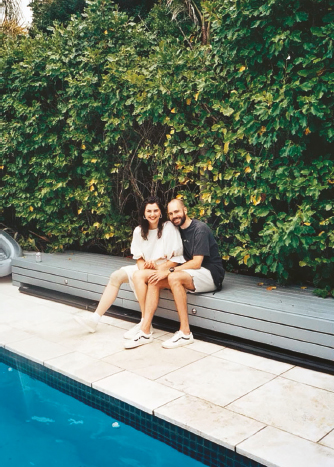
[130,270]
[202,280]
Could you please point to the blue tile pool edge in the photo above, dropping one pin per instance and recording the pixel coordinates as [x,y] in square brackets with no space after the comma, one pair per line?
[201,449]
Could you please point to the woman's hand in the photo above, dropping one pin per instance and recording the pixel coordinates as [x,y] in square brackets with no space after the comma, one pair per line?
[150,265]
[158,276]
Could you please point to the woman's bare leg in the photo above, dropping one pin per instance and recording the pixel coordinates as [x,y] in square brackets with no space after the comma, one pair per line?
[140,279]
[109,295]
[151,303]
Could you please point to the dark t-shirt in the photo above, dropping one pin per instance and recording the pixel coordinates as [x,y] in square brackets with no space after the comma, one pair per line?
[198,240]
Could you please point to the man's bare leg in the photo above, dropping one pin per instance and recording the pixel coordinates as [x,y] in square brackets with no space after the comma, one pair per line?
[178,282]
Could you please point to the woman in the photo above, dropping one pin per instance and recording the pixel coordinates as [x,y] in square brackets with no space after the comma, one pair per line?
[156,245]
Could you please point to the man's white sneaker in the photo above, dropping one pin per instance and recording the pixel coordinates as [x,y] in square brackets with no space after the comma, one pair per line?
[132,332]
[88,323]
[139,339]
[178,340]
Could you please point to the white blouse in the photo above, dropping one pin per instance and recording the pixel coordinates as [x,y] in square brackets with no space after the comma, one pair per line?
[167,247]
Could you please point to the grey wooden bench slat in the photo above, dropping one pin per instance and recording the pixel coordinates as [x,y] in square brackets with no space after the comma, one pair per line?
[249,334]
[289,317]
[250,322]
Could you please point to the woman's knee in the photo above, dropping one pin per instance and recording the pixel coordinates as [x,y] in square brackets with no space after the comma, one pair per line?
[117,278]
[138,276]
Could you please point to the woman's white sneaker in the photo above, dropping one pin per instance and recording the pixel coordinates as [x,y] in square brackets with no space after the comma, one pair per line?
[178,340]
[139,339]
[88,323]
[132,332]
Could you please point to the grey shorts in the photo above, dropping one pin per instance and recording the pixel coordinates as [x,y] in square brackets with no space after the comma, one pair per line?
[202,280]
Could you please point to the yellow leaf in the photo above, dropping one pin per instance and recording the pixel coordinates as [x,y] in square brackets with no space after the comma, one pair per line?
[307,131]
[260,283]
[79,211]
[83,146]
[94,161]
[91,188]
[331,181]
[256,200]
[248,158]
[206,197]
[226,146]
[307,223]
[179,196]
[225,202]
[188,101]
[196,96]
[226,257]
[217,201]
[168,136]
[202,212]
[321,233]
[173,111]
[248,170]
[246,258]
[237,174]
[303,288]
[271,288]
[172,132]
[2,167]
[96,224]
[242,68]
[31,208]
[105,32]
[262,130]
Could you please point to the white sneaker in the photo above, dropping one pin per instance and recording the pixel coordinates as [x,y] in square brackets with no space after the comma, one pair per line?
[88,323]
[132,332]
[139,339]
[178,340]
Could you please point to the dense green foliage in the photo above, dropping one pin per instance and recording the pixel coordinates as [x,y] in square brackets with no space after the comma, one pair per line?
[106,111]
[46,12]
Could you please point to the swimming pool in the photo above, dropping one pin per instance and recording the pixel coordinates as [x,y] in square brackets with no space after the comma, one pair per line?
[64,437]
[41,426]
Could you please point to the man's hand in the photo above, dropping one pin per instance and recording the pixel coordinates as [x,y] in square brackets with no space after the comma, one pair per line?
[158,276]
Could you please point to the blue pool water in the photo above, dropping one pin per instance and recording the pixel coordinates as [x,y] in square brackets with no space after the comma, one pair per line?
[41,426]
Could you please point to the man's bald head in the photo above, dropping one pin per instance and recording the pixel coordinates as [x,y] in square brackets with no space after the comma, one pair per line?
[177,212]
[178,202]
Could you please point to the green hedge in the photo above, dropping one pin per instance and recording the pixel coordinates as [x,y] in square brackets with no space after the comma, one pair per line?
[106,111]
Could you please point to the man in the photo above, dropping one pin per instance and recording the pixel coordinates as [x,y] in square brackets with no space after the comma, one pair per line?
[202,272]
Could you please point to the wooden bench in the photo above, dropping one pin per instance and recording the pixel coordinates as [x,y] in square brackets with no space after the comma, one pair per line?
[286,317]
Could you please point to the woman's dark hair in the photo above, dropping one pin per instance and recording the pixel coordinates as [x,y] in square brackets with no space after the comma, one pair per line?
[144,222]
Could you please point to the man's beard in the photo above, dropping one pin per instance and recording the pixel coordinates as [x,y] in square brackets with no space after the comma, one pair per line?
[182,220]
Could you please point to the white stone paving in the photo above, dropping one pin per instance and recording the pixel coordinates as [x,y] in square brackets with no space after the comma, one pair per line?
[275,413]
